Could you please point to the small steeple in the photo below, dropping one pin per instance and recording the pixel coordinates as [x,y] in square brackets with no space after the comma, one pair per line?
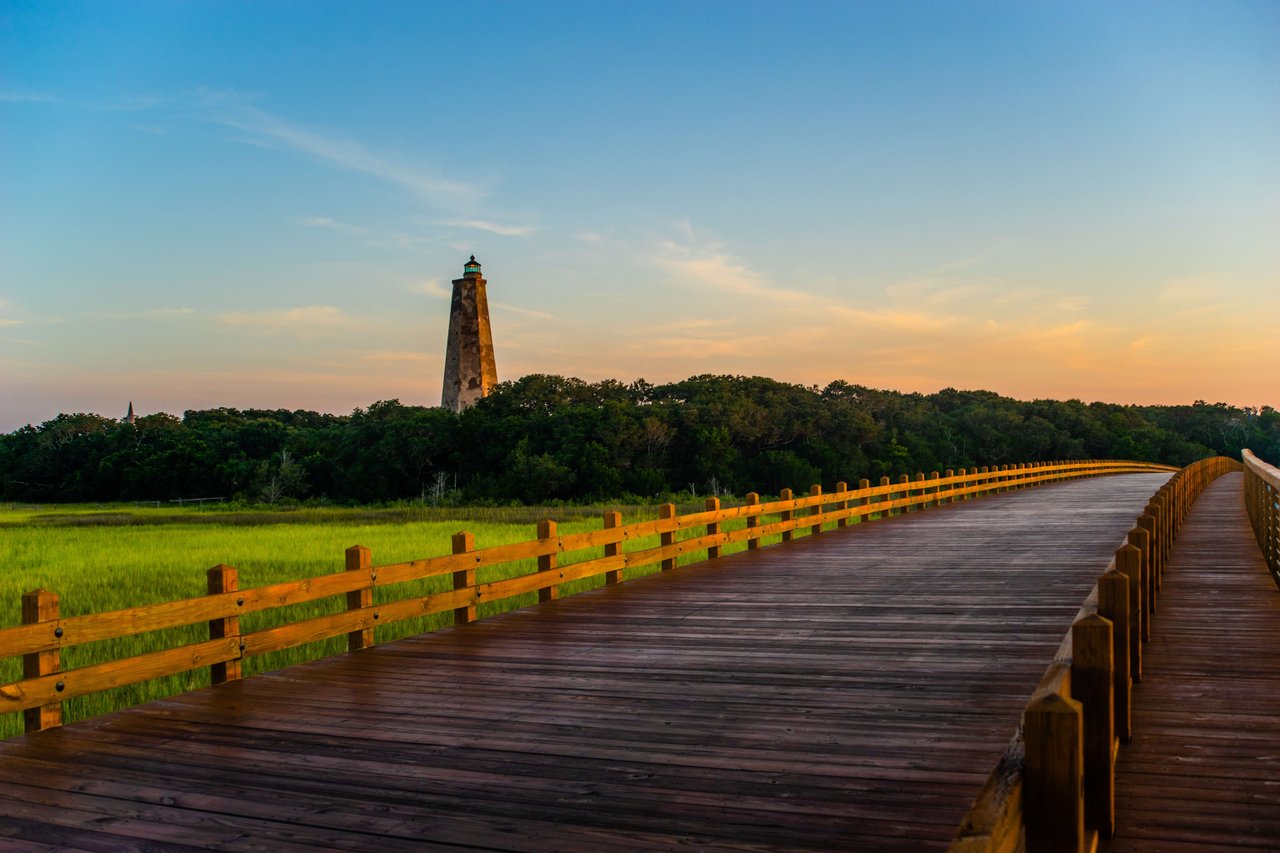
[129,419]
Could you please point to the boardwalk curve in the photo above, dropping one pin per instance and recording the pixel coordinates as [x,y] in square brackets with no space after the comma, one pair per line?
[849,691]
[1203,770]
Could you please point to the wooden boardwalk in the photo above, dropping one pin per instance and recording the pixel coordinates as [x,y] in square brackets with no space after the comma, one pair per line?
[1203,770]
[848,691]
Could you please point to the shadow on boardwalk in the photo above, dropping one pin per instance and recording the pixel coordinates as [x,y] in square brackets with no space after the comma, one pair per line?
[848,691]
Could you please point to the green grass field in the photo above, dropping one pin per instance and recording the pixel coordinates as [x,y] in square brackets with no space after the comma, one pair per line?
[108,558]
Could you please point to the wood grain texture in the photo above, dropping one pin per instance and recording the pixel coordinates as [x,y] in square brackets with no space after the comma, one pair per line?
[849,691]
[1203,770]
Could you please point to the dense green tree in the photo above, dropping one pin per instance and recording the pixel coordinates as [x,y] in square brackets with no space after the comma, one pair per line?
[543,438]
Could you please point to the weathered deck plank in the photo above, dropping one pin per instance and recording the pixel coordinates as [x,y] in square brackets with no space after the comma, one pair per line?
[1203,771]
[847,691]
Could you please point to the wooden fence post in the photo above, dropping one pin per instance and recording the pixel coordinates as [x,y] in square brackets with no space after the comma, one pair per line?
[40,605]
[1158,534]
[667,511]
[1141,539]
[1147,522]
[842,488]
[713,505]
[753,521]
[786,514]
[464,543]
[950,498]
[1129,562]
[1113,604]
[360,559]
[1053,801]
[905,482]
[888,496]
[863,485]
[1163,505]
[1093,686]
[223,578]
[1168,531]
[612,520]
[547,562]
[963,483]
[814,491]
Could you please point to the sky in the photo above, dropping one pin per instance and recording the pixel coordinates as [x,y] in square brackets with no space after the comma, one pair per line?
[262,204]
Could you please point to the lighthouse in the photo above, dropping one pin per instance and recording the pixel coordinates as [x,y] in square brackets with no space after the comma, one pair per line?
[470,371]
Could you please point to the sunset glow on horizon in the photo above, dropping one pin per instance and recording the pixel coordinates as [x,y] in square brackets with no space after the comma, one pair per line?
[262,206]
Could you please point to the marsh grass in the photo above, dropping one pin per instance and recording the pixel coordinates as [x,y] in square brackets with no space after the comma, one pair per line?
[101,559]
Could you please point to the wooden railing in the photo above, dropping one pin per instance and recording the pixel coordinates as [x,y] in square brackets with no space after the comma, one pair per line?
[1262,501]
[1054,788]
[44,634]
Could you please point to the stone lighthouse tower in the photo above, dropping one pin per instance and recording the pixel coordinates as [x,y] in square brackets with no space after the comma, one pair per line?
[469,369]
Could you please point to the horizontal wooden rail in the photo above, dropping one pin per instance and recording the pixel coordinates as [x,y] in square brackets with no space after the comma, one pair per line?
[1054,788]
[45,634]
[1262,501]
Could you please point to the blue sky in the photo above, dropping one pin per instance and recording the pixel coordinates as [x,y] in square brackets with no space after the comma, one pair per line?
[262,204]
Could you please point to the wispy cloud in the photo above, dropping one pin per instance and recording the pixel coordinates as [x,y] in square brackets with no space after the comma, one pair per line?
[528,312]
[1189,288]
[893,319]
[370,237]
[10,320]
[491,227]
[392,357]
[334,225]
[937,293]
[308,321]
[694,348]
[710,265]
[128,103]
[236,111]
[432,287]
[14,96]
[152,314]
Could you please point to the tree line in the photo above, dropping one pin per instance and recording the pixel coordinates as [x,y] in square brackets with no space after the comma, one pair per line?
[545,438]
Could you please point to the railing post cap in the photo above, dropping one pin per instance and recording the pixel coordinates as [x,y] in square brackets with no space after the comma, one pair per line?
[1093,620]
[1054,703]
